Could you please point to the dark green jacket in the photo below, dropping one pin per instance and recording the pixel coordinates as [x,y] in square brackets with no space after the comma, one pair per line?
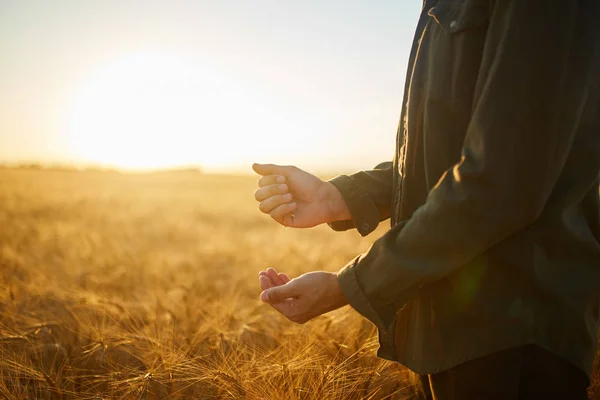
[493,190]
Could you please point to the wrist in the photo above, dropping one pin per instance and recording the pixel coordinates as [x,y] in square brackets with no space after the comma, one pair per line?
[337,293]
[337,210]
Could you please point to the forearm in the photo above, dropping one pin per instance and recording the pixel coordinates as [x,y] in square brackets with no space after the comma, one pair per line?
[519,137]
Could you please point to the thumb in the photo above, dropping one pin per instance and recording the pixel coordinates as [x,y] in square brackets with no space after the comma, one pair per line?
[281,293]
[270,169]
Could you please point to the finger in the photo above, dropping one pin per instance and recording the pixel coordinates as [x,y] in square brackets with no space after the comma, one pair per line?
[265,282]
[278,294]
[264,273]
[277,213]
[271,169]
[273,202]
[271,180]
[274,277]
[284,278]
[265,192]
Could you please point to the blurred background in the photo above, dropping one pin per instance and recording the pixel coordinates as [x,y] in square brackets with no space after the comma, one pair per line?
[217,85]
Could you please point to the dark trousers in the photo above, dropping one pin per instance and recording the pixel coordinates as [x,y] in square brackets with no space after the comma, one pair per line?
[522,373]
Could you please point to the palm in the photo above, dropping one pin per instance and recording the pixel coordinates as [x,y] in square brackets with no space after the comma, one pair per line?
[303,298]
[308,192]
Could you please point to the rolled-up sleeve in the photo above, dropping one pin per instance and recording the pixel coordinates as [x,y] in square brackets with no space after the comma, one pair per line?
[538,65]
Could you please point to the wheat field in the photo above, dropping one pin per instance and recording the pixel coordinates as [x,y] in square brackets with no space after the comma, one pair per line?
[124,286]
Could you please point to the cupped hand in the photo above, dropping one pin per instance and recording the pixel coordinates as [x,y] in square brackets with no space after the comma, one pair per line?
[303,298]
[296,198]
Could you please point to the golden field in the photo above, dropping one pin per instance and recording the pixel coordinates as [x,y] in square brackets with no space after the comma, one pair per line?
[146,287]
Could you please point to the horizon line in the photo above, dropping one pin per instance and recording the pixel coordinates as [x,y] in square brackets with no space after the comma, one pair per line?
[190,168]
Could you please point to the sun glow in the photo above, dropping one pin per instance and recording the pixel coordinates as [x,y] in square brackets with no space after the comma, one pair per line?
[155,111]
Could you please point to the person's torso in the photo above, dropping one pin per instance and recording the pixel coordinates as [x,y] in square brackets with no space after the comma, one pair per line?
[539,284]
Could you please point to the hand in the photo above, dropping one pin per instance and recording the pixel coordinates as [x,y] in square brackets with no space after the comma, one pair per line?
[297,199]
[303,298]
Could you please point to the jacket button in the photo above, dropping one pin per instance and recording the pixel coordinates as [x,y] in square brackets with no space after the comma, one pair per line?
[453,24]
[366,226]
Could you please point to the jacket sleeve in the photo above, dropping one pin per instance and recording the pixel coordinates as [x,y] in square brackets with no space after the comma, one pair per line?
[368,197]
[531,90]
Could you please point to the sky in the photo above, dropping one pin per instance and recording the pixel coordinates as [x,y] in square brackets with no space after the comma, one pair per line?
[215,84]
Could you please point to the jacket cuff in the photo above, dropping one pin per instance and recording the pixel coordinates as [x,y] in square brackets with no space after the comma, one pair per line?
[365,215]
[356,297]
